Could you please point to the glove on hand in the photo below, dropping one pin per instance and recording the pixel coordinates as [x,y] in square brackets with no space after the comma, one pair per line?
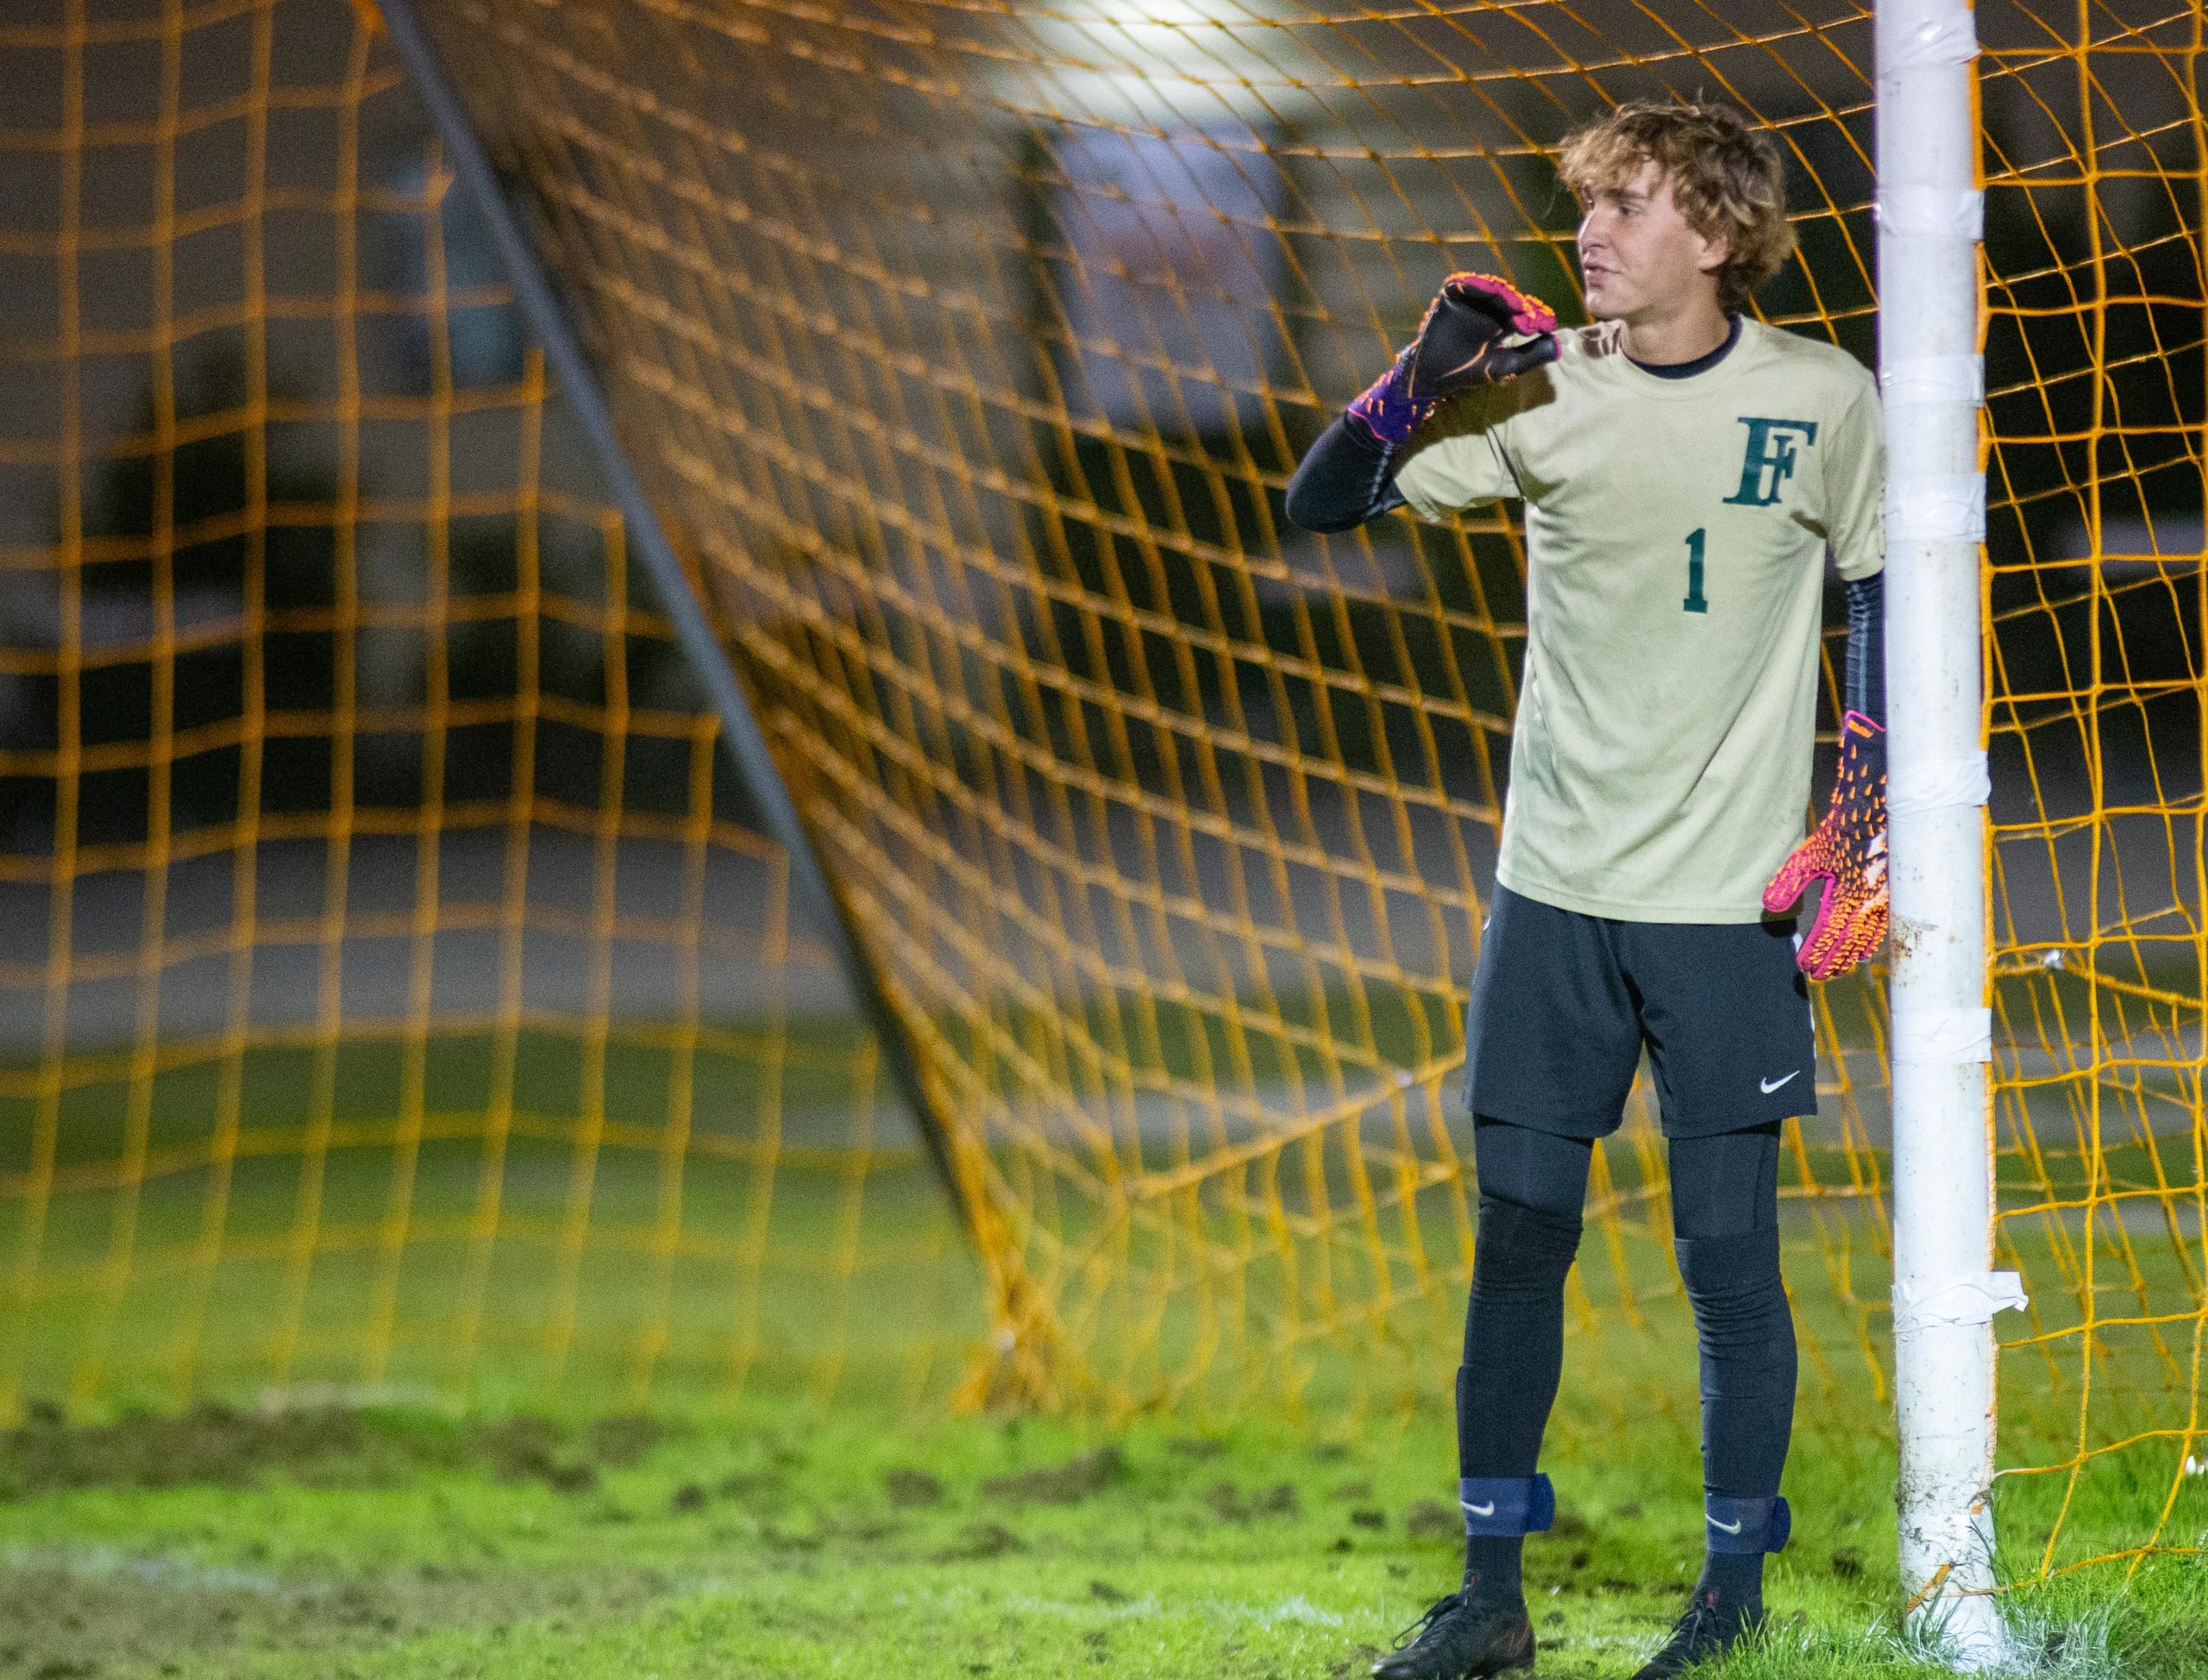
[1478,329]
[1847,851]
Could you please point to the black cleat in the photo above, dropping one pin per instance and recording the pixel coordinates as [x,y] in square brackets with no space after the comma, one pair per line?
[1705,1633]
[1462,1638]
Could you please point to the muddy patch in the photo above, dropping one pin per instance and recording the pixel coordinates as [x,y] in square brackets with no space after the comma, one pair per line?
[912,1489]
[979,1541]
[1230,1504]
[314,1446]
[93,1611]
[1060,1484]
[1430,1520]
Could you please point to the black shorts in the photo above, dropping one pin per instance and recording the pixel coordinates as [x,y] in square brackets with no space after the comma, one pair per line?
[1563,1002]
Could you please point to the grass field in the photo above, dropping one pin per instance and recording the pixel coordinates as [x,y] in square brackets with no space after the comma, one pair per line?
[790,1541]
[798,1501]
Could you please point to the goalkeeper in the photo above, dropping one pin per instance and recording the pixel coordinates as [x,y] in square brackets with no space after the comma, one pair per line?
[1685,471]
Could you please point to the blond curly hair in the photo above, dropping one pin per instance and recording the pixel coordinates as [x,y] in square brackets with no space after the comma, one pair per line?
[1725,173]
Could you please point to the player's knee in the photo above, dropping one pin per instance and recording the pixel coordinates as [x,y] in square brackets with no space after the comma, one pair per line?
[1522,1250]
[1734,1286]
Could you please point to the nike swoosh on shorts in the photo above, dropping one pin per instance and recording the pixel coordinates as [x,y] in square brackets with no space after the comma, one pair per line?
[1768,1086]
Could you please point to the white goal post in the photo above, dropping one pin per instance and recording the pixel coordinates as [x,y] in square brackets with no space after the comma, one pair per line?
[1931,217]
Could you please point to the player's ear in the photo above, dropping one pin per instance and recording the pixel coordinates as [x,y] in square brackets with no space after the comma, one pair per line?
[1714,252]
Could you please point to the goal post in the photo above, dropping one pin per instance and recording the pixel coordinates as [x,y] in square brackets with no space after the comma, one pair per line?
[1931,222]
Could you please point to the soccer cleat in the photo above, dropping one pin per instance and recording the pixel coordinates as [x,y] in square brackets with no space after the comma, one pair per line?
[1705,1633]
[1478,329]
[1462,1637]
[1847,852]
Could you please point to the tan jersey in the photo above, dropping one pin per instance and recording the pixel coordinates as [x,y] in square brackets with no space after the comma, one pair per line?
[1676,532]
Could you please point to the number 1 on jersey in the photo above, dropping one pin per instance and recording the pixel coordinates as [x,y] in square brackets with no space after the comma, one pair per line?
[1695,601]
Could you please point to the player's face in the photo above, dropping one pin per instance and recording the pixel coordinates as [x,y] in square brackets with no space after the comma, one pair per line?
[1638,254]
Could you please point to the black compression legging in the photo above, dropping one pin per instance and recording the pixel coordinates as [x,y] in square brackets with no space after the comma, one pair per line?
[1725,1221]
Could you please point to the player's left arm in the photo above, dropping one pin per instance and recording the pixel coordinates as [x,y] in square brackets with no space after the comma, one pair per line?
[1847,850]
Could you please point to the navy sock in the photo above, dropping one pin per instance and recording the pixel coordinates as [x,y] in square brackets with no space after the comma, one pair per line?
[1493,1564]
[1724,1214]
[1532,1186]
[1735,1577]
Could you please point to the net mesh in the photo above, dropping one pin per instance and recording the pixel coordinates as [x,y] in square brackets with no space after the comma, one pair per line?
[970,352]
[395,1001]
[966,352]
[2094,159]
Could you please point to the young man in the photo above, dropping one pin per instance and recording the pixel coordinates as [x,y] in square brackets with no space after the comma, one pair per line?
[1685,473]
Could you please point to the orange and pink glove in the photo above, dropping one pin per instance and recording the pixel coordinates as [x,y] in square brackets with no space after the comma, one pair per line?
[1479,328]
[1847,852]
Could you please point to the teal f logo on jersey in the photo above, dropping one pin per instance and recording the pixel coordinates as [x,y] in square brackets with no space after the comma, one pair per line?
[1770,459]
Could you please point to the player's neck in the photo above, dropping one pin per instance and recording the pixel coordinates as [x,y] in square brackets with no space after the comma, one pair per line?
[1685,332]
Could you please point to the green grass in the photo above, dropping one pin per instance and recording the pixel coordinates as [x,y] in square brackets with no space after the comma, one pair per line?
[790,1540]
[848,1527]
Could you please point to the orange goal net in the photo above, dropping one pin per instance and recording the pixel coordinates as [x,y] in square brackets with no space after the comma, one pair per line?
[393,966]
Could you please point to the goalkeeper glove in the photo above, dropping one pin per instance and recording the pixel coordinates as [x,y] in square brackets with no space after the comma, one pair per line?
[1478,329]
[1847,851]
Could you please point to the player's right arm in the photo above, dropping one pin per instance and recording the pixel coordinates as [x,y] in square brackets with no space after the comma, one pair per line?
[1479,330]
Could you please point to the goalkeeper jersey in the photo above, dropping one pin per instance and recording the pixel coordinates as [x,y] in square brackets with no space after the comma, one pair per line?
[1676,537]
